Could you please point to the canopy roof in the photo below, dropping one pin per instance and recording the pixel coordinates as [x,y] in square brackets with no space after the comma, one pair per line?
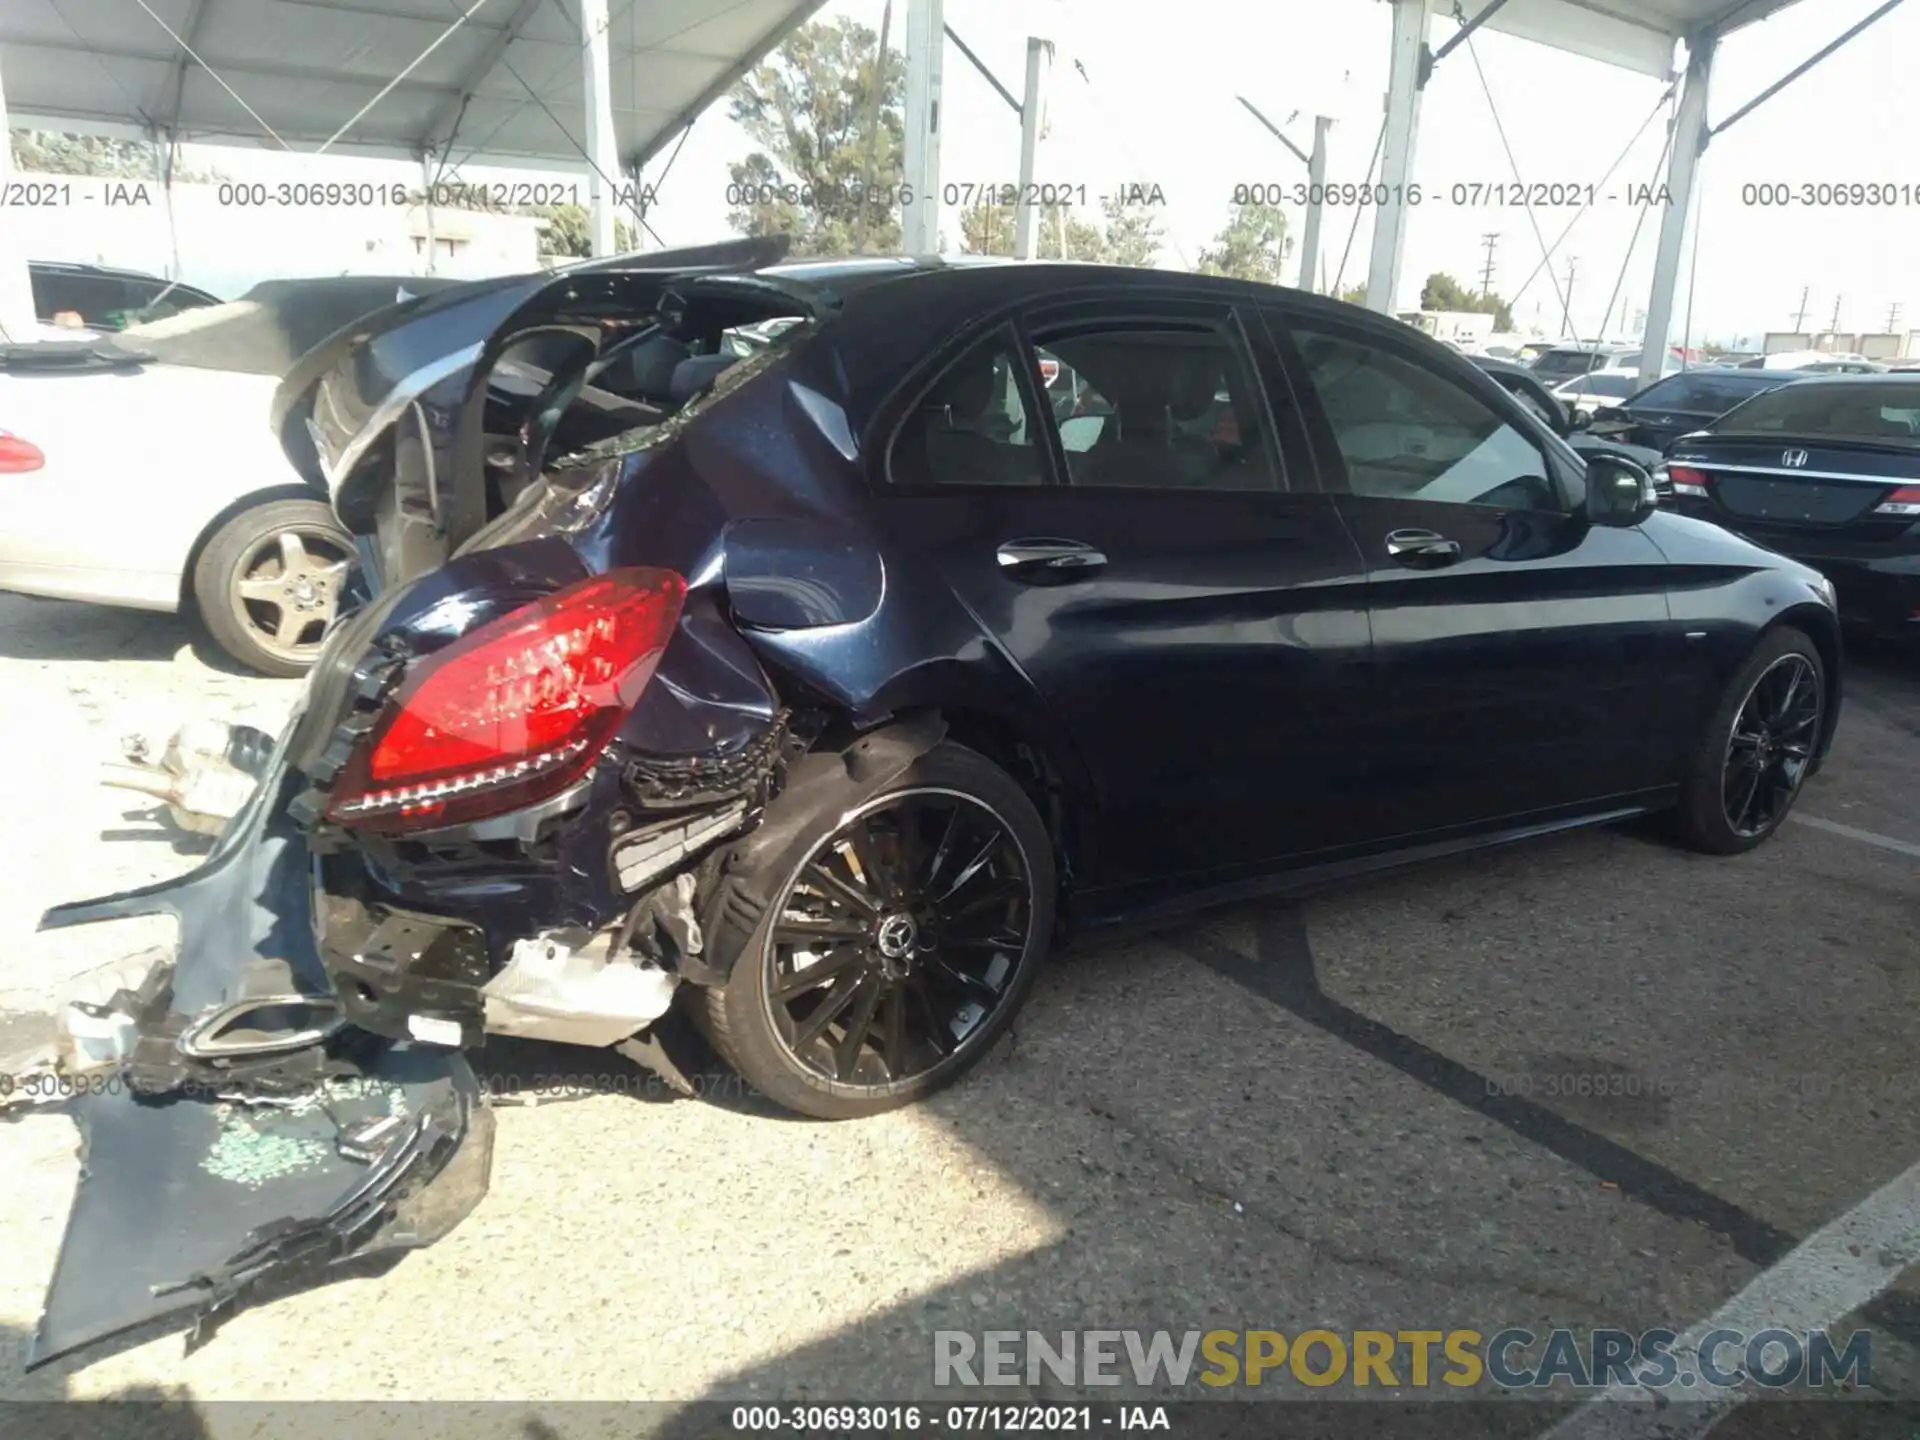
[1636,35]
[504,86]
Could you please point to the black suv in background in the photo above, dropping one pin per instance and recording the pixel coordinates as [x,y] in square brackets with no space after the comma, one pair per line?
[105,298]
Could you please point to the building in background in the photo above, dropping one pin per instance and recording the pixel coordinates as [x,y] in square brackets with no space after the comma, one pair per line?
[229,235]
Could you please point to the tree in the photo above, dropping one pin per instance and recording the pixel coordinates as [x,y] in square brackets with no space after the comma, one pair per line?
[1133,233]
[1250,247]
[1355,294]
[1443,292]
[989,230]
[51,152]
[568,230]
[807,109]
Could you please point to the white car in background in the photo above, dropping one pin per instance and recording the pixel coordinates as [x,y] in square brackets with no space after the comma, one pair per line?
[138,469]
[1587,393]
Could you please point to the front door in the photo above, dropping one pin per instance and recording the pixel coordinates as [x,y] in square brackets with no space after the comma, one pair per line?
[1520,652]
[1160,564]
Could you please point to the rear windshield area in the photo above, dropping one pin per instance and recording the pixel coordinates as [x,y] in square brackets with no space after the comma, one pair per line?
[1847,410]
[557,400]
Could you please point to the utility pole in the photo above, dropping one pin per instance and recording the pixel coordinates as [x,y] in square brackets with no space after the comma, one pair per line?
[1833,326]
[1800,319]
[1486,270]
[1893,317]
[1566,304]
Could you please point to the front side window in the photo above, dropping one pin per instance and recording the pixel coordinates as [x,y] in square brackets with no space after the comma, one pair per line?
[1408,433]
[971,427]
[1154,406]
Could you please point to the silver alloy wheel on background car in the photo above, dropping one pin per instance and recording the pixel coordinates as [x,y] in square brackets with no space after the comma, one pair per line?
[1771,745]
[268,580]
[287,589]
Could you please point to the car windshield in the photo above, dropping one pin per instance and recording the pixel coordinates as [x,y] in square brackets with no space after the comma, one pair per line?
[1568,362]
[1614,386]
[1843,411]
[1706,392]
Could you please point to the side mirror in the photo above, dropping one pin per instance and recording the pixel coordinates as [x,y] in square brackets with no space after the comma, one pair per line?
[1579,420]
[1608,413]
[1619,492]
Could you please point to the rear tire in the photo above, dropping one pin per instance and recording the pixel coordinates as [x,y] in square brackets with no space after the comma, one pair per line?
[1747,769]
[920,915]
[252,581]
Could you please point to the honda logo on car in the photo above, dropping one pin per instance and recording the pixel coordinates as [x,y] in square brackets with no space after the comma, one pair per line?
[1795,458]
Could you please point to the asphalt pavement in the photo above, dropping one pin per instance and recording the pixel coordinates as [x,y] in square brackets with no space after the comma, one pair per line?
[1592,1081]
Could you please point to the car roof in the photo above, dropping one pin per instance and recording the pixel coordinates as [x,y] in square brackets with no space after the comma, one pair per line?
[77,267]
[1882,377]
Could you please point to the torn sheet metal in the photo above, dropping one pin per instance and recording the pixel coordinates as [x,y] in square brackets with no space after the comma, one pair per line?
[275,1145]
[193,1208]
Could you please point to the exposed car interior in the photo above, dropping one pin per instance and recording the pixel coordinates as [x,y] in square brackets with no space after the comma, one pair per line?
[562,388]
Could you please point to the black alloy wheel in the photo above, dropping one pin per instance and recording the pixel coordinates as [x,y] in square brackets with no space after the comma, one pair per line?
[1759,747]
[877,951]
[1771,745]
[898,938]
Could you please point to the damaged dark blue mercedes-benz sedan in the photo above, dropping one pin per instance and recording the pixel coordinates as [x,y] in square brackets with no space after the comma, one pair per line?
[814,646]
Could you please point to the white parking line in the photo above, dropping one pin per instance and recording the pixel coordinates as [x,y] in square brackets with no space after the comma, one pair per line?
[1867,837]
[1842,1266]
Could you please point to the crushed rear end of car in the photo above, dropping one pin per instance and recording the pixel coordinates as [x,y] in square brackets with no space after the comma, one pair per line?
[488,810]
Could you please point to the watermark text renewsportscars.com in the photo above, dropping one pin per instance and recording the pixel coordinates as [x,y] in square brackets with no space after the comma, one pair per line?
[1512,1358]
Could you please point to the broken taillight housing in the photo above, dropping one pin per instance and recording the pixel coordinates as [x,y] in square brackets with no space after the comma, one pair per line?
[18,456]
[514,712]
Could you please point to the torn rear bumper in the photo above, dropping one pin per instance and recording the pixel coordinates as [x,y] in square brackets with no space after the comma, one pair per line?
[238,1139]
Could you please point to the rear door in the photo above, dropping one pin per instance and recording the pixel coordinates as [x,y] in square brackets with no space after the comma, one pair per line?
[1519,650]
[1160,564]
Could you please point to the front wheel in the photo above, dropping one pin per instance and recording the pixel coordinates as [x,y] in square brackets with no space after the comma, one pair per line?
[1757,749]
[899,939]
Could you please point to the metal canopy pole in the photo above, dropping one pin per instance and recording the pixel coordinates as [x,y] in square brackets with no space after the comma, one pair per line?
[16,286]
[1033,107]
[601,147]
[1683,174]
[1316,206]
[920,214]
[1316,164]
[426,197]
[1410,19]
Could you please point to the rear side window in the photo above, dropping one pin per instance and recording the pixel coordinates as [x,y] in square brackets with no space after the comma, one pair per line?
[972,426]
[1157,406]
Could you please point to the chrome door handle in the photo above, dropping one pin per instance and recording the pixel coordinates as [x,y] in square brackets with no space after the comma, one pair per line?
[1422,549]
[1053,558]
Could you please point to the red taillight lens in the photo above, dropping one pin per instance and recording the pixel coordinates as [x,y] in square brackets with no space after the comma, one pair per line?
[17,457]
[1904,501]
[514,712]
[1687,481]
[1049,371]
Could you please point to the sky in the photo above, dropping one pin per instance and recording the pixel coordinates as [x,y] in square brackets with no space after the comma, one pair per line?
[1143,92]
